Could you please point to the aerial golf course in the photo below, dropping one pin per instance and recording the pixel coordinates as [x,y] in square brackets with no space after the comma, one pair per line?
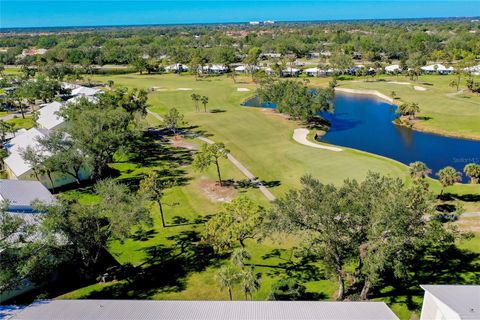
[262,141]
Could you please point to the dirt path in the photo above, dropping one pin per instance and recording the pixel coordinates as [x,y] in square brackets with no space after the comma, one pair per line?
[300,135]
[234,161]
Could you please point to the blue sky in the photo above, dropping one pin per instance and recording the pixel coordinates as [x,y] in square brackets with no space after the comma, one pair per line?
[18,13]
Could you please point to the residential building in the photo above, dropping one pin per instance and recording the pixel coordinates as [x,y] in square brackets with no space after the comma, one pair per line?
[19,169]
[177,67]
[203,310]
[290,72]
[244,69]
[451,302]
[314,72]
[392,68]
[437,68]
[85,91]
[20,194]
[48,116]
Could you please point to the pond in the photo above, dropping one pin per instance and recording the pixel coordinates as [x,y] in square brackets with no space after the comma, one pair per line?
[364,123]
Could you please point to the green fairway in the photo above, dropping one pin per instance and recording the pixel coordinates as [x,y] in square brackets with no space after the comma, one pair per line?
[261,140]
[445,111]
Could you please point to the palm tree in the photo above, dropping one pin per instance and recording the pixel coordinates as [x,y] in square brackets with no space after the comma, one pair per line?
[393,94]
[409,109]
[226,277]
[195,97]
[472,170]
[249,282]
[419,170]
[204,100]
[448,176]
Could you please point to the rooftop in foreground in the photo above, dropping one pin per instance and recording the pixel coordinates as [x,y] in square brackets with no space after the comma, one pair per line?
[204,310]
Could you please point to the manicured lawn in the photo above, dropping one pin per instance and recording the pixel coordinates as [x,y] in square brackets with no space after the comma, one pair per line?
[21,123]
[262,141]
[445,112]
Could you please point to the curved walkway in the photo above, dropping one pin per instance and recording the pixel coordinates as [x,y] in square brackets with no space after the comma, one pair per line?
[234,161]
[300,135]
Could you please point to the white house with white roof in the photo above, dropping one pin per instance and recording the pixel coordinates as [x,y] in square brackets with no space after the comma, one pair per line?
[393,68]
[290,72]
[85,91]
[451,302]
[475,70]
[215,68]
[314,72]
[437,68]
[19,169]
[20,194]
[244,69]
[48,116]
[177,67]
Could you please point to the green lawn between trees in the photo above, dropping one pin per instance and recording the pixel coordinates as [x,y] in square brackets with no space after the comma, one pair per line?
[263,143]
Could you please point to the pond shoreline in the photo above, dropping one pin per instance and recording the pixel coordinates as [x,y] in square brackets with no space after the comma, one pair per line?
[415,126]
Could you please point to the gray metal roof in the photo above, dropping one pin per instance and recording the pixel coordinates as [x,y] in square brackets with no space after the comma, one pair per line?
[463,299]
[21,193]
[204,310]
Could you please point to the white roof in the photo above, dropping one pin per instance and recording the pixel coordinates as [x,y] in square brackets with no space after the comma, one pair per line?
[84,91]
[314,70]
[291,70]
[21,193]
[436,67]
[78,98]
[474,70]
[393,67]
[48,117]
[177,66]
[203,310]
[15,146]
[240,68]
[463,299]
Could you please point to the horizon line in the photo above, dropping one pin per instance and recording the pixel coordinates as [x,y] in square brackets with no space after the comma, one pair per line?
[320,21]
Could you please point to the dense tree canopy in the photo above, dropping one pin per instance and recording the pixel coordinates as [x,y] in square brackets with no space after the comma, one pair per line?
[378,225]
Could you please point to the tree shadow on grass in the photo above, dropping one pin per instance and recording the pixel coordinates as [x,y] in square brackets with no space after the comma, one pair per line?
[153,151]
[449,265]
[165,269]
[464,197]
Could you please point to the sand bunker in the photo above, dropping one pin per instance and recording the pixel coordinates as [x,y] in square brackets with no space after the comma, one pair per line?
[418,88]
[243,89]
[184,89]
[401,83]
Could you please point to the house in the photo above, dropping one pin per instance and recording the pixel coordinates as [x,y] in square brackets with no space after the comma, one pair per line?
[85,91]
[203,310]
[48,116]
[215,69]
[19,169]
[244,69]
[20,194]
[177,68]
[32,52]
[452,302]
[290,72]
[475,70]
[437,68]
[394,68]
[314,72]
